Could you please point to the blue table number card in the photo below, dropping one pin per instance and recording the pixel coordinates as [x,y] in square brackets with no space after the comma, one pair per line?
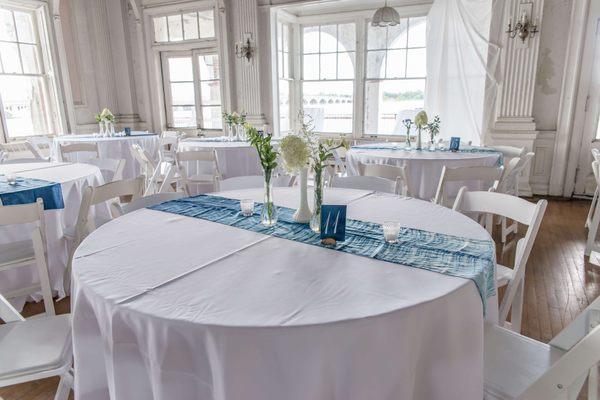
[454,143]
[127,131]
[333,222]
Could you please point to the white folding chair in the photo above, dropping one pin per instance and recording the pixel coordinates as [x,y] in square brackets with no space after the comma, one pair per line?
[204,182]
[19,152]
[509,184]
[155,174]
[167,148]
[146,201]
[36,348]
[41,146]
[365,183]
[394,173]
[591,244]
[588,219]
[510,152]
[464,174]
[25,253]
[519,210]
[112,169]
[73,149]
[517,367]
[107,193]
[253,181]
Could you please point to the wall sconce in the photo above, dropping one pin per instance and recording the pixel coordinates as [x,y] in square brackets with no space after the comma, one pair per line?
[245,49]
[523,28]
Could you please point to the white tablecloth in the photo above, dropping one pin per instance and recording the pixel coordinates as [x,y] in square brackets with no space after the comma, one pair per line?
[73,178]
[235,158]
[424,167]
[111,147]
[172,307]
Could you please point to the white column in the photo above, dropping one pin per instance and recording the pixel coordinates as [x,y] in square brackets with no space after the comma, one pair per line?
[247,74]
[513,123]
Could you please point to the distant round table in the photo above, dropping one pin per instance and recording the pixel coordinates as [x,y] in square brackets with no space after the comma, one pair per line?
[73,179]
[184,308]
[234,158]
[118,147]
[424,167]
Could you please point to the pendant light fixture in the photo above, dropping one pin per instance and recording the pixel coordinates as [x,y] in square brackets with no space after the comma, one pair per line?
[385,16]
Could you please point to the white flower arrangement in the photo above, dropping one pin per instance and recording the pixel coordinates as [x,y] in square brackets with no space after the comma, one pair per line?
[105,116]
[295,153]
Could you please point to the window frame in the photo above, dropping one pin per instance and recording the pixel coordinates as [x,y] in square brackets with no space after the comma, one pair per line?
[53,113]
[197,81]
[360,19]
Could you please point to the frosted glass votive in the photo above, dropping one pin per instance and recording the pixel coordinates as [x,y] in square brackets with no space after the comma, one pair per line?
[391,231]
[11,179]
[247,207]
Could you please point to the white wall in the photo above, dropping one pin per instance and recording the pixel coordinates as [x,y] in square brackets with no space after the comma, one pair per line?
[103,44]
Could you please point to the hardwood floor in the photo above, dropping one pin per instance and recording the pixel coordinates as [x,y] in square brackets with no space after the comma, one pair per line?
[559,284]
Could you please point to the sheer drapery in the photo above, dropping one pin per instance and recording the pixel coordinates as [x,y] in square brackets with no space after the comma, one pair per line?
[462,66]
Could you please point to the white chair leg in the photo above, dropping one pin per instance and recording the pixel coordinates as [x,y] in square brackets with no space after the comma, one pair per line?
[516,312]
[40,258]
[64,388]
[589,217]
[592,231]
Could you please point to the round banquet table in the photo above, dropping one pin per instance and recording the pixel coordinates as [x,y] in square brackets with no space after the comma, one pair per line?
[118,147]
[73,179]
[234,158]
[424,167]
[174,307]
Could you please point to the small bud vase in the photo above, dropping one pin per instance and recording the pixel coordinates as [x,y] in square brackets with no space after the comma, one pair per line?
[315,221]
[303,213]
[268,215]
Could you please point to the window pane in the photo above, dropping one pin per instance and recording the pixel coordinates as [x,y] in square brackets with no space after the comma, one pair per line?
[30,59]
[375,64]
[182,93]
[347,37]
[396,64]
[209,67]
[284,105]
[207,24]
[285,32]
[23,101]
[310,39]
[286,65]
[184,116]
[7,26]
[175,28]
[160,29]
[190,26]
[345,65]
[328,38]
[211,118]
[329,104]
[396,36]
[279,36]
[211,93]
[279,64]
[9,52]
[311,66]
[417,63]
[388,102]
[25,30]
[180,69]
[417,32]
[376,37]
[328,66]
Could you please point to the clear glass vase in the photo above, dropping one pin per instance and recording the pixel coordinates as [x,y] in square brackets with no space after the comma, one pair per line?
[315,221]
[268,215]
[230,133]
[419,145]
[240,133]
[407,141]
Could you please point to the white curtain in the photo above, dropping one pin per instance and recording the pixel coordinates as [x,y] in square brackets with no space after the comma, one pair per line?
[462,66]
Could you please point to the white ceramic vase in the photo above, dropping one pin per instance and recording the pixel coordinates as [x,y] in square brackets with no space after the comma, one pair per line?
[303,213]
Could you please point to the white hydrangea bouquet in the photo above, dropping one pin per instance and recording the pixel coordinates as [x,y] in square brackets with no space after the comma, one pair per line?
[295,153]
[106,123]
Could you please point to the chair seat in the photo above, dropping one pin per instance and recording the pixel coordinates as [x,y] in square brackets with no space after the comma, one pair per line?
[503,275]
[16,252]
[512,362]
[35,345]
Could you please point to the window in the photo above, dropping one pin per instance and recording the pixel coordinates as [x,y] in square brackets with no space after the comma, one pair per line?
[284,75]
[186,26]
[26,89]
[328,70]
[395,75]
[354,78]
[192,89]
